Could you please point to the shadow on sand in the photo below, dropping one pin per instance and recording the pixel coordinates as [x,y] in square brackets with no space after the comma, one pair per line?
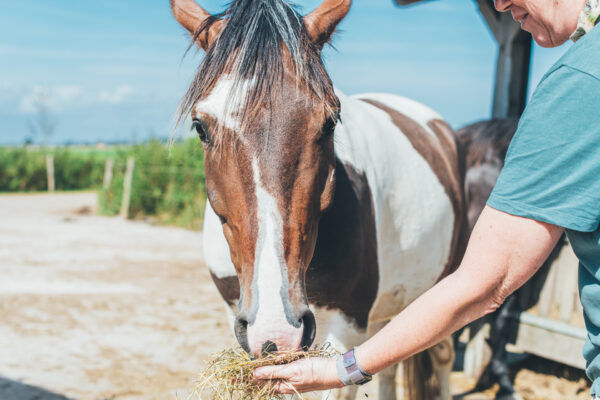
[13,390]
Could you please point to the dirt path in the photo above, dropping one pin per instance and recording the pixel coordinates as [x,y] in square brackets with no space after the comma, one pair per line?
[101,308]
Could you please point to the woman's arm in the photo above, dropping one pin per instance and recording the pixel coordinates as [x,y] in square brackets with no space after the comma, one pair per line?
[504,251]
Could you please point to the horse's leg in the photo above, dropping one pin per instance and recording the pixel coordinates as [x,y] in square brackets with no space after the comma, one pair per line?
[345,393]
[335,328]
[442,359]
[387,377]
[387,383]
[497,370]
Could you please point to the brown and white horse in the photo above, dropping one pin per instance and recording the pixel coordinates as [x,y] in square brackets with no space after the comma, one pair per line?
[327,214]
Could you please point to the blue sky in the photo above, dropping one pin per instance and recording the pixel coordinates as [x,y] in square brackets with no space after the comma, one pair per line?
[113,69]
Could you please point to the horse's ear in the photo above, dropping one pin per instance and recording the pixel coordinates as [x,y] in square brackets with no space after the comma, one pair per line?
[320,24]
[191,16]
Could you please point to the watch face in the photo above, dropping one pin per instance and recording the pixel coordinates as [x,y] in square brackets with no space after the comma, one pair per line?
[349,359]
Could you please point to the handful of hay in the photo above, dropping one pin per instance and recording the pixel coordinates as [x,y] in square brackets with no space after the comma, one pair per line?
[229,373]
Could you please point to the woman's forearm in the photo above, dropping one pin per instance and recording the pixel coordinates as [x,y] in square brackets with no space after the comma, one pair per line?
[445,308]
[504,252]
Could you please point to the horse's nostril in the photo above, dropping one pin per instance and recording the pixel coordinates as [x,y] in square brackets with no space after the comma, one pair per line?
[268,347]
[310,329]
[241,332]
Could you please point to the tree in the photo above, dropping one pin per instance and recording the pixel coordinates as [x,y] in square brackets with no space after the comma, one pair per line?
[43,122]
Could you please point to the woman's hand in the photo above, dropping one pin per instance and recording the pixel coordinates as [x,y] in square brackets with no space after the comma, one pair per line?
[305,375]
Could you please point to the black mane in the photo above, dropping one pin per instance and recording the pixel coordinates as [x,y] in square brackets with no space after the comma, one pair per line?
[252,46]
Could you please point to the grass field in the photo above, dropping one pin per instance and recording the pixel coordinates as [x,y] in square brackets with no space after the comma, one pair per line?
[168,181]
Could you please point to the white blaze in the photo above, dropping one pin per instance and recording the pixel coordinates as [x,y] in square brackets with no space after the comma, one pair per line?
[270,323]
[225,100]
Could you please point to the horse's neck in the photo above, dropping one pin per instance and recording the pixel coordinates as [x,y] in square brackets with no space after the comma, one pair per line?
[382,174]
[360,138]
[400,179]
[367,137]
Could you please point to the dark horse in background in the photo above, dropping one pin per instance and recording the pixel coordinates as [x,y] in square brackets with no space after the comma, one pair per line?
[485,145]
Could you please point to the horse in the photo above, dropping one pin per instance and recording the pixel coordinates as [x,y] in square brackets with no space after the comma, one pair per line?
[327,214]
[484,145]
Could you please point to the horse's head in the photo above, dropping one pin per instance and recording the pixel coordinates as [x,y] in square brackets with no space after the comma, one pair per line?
[265,109]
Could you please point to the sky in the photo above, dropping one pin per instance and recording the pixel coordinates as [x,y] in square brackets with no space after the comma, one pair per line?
[113,70]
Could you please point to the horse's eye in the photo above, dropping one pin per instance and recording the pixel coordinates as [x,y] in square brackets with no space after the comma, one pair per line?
[201,130]
[329,126]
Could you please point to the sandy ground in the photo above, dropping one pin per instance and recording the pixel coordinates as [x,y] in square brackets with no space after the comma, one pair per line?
[104,309]
[101,308]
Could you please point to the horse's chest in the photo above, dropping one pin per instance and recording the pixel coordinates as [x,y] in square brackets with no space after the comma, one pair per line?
[414,242]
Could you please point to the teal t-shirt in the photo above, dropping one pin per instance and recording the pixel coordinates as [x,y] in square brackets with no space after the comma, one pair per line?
[552,171]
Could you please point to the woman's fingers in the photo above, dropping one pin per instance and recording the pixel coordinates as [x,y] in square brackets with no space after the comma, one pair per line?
[301,376]
[286,371]
[270,372]
[284,387]
[284,377]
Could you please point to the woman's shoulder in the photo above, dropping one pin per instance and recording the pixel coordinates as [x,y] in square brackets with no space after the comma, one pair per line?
[583,57]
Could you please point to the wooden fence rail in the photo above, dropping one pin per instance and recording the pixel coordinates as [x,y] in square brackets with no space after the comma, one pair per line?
[108,172]
[555,329]
[127,187]
[50,172]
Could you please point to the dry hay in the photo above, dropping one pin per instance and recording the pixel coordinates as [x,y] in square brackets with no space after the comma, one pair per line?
[229,374]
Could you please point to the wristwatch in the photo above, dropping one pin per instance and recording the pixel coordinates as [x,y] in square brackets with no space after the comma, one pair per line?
[349,372]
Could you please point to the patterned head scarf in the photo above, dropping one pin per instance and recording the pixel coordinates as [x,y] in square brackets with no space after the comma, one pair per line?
[587,19]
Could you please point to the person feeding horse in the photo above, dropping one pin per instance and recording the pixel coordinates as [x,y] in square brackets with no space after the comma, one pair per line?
[327,214]
[549,185]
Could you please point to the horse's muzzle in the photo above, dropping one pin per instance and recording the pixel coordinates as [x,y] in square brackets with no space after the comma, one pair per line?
[277,337]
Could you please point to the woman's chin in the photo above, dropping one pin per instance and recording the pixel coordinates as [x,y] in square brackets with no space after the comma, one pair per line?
[543,40]
[546,37]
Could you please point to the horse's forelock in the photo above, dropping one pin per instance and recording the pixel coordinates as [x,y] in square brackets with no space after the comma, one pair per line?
[259,38]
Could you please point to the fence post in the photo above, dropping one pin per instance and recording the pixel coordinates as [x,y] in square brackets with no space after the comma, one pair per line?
[108,172]
[50,172]
[127,187]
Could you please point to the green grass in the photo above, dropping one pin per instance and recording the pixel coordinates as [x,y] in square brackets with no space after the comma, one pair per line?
[168,181]
[23,169]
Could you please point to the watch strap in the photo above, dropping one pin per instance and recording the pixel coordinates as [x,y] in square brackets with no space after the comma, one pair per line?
[341,370]
[349,371]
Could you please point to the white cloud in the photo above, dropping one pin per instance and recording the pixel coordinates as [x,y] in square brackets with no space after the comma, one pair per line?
[54,99]
[116,96]
[68,93]
[65,97]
